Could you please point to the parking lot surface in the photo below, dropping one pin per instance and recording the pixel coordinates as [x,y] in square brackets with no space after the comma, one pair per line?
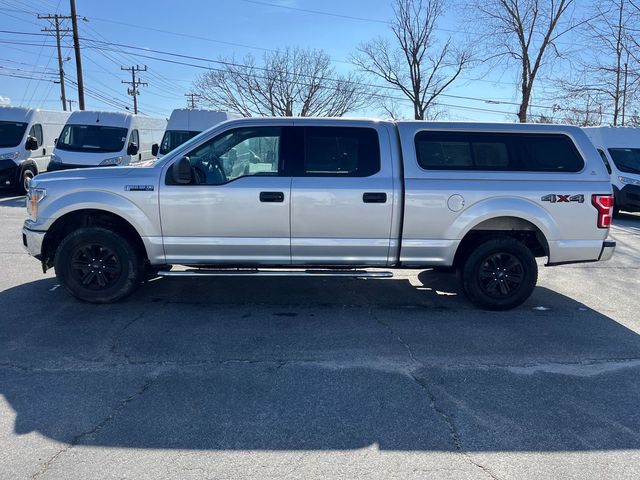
[320,378]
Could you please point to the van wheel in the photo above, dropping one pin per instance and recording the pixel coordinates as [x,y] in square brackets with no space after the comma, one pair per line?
[499,274]
[26,175]
[97,265]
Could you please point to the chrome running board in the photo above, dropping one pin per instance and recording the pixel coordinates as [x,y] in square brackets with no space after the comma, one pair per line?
[205,272]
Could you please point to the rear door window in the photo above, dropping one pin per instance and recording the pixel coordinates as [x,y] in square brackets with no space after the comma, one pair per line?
[340,152]
[497,152]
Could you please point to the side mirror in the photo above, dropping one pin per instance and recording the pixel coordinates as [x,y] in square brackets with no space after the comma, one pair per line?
[132,149]
[55,141]
[155,149]
[32,144]
[181,171]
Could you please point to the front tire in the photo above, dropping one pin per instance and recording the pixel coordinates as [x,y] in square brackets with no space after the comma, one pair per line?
[24,178]
[499,274]
[97,265]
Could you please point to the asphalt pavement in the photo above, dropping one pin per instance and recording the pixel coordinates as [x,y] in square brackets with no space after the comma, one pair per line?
[265,378]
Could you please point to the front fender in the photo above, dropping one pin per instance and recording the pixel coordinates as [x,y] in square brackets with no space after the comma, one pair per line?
[98,200]
[504,207]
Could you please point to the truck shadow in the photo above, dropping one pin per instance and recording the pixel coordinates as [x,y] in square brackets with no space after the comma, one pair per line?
[285,363]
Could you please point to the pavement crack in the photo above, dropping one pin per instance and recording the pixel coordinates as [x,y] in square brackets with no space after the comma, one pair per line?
[97,427]
[453,431]
[398,338]
[444,416]
[118,336]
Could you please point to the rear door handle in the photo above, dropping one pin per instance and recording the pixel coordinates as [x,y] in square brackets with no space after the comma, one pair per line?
[374,197]
[274,197]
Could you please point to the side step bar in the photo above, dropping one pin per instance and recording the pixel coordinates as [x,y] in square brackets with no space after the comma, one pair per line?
[204,272]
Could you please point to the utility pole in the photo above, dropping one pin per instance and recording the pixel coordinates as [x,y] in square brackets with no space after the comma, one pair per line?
[624,92]
[76,47]
[191,102]
[56,22]
[133,91]
[71,102]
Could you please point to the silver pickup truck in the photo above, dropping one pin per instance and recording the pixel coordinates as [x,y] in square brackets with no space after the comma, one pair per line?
[337,197]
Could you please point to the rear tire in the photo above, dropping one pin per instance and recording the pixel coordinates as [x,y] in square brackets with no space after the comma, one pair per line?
[98,265]
[499,274]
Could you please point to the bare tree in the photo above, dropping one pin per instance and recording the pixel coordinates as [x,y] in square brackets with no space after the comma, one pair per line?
[608,71]
[414,62]
[290,82]
[524,32]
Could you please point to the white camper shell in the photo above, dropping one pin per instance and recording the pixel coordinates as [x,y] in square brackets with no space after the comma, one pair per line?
[100,139]
[619,148]
[184,124]
[27,139]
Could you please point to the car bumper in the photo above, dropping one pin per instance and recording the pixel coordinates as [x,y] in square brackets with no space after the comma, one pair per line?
[32,241]
[608,247]
[628,198]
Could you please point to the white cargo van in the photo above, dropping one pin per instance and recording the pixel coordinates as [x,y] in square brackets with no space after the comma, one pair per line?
[184,124]
[99,139]
[27,138]
[619,148]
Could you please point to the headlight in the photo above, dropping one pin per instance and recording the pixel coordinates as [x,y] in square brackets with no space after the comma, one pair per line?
[10,156]
[55,158]
[34,197]
[629,181]
[112,161]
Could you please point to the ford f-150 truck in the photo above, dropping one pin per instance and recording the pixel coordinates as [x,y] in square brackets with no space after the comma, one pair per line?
[331,197]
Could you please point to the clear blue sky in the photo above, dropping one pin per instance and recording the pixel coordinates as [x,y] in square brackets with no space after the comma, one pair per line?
[227,27]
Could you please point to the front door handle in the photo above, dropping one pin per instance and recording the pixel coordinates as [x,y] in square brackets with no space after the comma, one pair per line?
[274,197]
[374,197]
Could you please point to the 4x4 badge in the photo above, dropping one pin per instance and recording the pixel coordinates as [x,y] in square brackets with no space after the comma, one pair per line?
[557,198]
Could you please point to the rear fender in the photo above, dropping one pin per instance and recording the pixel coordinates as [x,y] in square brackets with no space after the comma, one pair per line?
[503,207]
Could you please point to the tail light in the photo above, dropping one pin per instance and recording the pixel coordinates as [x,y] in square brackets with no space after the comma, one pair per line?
[604,205]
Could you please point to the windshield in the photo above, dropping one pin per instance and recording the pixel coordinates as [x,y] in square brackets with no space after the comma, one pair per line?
[175,138]
[194,141]
[626,159]
[92,138]
[11,133]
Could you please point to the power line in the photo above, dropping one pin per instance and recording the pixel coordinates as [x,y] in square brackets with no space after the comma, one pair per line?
[24,76]
[492,101]
[235,64]
[317,12]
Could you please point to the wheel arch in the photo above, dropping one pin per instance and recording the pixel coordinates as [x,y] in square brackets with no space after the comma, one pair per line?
[523,230]
[89,217]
